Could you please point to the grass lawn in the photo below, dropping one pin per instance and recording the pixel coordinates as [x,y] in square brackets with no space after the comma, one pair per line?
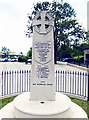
[81,103]
[3,102]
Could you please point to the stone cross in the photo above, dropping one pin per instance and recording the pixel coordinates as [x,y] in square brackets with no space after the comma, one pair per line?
[42,22]
[42,80]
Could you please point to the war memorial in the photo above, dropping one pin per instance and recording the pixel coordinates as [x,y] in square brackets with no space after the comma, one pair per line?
[42,101]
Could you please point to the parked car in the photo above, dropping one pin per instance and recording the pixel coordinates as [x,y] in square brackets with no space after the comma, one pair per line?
[28,61]
[70,60]
[14,60]
[4,60]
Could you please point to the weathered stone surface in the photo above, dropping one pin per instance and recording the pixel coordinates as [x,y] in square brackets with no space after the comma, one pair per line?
[43,81]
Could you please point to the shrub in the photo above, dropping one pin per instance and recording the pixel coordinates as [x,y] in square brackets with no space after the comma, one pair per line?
[22,58]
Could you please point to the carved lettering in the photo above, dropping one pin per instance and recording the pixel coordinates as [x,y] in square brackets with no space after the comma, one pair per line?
[42,71]
[43,51]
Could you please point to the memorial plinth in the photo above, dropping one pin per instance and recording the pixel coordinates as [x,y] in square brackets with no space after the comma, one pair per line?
[23,107]
[42,101]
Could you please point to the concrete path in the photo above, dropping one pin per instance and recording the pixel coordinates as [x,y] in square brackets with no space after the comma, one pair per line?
[7,66]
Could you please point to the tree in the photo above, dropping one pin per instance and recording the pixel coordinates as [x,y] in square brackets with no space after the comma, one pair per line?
[84,46]
[65,52]
[22,58]
[67,30]
[5,51]
[87,37]
[29,53]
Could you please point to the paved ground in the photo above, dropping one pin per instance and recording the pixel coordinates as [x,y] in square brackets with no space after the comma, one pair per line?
[67,68]
[4,66]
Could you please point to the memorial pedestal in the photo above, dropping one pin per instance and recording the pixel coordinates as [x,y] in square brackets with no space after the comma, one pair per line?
[23,107]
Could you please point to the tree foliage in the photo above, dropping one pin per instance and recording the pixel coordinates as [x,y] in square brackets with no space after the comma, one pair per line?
[5,51]
[87,37]
[67,30]
[29,53]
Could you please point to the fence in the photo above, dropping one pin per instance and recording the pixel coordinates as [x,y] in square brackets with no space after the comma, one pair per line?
[14,82]
[72,83]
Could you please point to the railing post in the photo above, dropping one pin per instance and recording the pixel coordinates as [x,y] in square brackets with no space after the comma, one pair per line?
[2,83]
[56,81]
[5,83]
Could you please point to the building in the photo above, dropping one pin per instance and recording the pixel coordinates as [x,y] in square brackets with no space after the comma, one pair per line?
[14,55]
[10,55]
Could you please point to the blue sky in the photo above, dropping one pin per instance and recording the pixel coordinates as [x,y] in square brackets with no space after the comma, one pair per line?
[13,20]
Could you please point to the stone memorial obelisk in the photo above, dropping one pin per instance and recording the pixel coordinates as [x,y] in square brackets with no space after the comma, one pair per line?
[43,101]
[43,81]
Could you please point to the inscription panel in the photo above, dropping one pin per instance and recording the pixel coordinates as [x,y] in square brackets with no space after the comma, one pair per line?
[42,71]
[43,52]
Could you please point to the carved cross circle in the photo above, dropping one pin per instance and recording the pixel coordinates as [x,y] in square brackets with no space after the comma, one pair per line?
[43,22]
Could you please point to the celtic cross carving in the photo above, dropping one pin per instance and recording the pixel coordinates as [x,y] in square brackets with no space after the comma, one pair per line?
[43,22]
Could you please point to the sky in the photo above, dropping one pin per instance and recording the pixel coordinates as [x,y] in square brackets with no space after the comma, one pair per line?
[13,21]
